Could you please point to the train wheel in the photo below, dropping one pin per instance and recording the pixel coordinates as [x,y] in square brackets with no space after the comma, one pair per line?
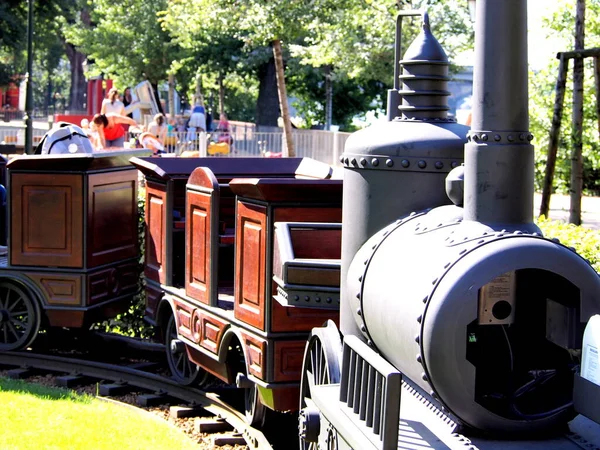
[183,370]
[321,366]
[254,409]
[20,317]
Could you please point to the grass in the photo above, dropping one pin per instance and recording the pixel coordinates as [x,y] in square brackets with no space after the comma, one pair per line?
[42,418]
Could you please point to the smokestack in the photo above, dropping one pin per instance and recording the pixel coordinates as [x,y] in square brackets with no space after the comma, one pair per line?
[499,159]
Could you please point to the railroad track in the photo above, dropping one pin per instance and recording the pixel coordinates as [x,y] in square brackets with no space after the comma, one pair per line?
[118,379]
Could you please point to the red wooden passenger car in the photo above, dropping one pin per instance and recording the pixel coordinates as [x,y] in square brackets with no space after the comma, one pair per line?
[72,254]
[242,261]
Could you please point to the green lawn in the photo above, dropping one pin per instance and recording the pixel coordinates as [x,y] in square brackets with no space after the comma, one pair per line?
[40,418]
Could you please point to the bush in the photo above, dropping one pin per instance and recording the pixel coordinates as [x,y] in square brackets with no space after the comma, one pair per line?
[584,240]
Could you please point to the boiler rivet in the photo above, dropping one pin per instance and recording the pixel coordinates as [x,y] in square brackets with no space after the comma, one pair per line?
[353,161]
[454,164]
[363,162]
[424,377]
[476,137]
[419,359]
[359,312]
[405,163]
[346,161]
[439,165]
[296,298]
[360,279]
[420,319]
[342,159]
[497,137]
[422,164]
[375,162]
[366,262]
[389,163]
[510,138]
[328,299]
[522,136]
[307,298]
[318,299]
[434,281]
[484,137]
[363,328]
[370,343]
[358,295]
[417,339]
[425,300]
[530,137]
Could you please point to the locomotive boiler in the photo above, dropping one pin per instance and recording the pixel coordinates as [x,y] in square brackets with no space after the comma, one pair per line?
[465,306]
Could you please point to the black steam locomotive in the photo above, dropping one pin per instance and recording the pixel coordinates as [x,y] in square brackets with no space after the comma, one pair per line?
[453,317]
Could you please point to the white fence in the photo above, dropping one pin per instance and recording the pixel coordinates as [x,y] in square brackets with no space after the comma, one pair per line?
[325,146]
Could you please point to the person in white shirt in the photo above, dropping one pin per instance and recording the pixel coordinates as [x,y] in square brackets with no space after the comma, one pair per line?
[158,128]
[112,104]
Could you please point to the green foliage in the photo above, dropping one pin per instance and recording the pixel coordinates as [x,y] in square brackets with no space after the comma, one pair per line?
[126,40]
[560,23]
[584,240]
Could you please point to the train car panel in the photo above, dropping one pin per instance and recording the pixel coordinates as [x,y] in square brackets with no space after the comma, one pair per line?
[208,331]
[157,238]
[59,289]
[154,296]
[255,350]
[202,249]
[287,319]
[112,217]
[287,360]
[183,317]
[105,284]
[251,248]
[46,220]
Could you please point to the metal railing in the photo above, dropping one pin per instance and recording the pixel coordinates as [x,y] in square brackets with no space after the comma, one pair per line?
[324,146]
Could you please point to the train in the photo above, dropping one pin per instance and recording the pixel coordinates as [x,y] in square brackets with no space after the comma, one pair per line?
[411,302]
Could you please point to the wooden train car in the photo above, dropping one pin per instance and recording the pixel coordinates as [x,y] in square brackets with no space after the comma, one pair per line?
[242,261]
[72,254]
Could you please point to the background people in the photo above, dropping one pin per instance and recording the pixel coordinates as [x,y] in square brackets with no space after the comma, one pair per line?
[112,104]
[127,99]
[110,131]
[158,127]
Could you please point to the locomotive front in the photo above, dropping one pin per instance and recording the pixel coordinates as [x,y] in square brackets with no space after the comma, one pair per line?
[470,301]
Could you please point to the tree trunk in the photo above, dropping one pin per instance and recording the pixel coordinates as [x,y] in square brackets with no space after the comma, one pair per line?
[198,96]
[156,96]
[328,98]
[78,83]
[576,187]
[597,83]
[221,95]
[267,105]
[172,95]
[288,147]
[559,101]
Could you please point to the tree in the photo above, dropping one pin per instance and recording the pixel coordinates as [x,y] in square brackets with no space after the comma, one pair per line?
[559,23]
[126,41]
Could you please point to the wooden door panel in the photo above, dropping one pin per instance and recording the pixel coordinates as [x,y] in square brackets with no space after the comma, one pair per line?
[198,247]
[156,203]
[47,220]
[112,217]
[250,261]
